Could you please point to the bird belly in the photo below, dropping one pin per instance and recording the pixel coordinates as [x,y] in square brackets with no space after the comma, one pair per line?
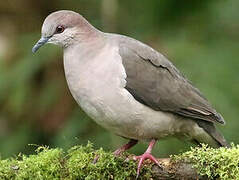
[126,117]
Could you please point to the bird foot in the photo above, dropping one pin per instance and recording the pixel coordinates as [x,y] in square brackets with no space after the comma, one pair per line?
[96,159]
[143,157]
[117,152]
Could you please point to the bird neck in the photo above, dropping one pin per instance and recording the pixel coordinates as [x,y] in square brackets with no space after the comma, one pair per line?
[86,32]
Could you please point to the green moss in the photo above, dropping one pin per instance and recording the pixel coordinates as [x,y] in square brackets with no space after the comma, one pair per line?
[80,165]
[77,163]
[221,163]
[46,164]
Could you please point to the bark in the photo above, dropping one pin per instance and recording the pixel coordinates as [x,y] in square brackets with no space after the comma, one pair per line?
[175,171]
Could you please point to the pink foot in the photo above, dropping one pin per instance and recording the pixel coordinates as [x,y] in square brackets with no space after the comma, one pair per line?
[146,155]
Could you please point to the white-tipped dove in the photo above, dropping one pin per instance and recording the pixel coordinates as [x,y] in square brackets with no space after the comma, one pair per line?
[129,88]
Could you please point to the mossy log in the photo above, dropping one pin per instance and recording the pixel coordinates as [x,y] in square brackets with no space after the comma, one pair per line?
[79,163]
[176,171]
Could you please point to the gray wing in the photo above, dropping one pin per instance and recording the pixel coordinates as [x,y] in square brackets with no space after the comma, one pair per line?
[156,82]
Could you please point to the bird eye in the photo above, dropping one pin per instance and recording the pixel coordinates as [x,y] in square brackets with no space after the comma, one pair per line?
[59,29]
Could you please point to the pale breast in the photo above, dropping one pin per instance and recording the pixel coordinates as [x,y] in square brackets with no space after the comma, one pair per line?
[95,81]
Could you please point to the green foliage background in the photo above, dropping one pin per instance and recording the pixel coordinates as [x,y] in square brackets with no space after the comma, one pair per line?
[199,37]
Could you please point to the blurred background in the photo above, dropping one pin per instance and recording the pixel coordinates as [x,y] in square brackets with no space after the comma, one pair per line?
[36,107]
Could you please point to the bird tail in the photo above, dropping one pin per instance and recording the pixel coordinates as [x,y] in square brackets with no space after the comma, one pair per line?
[210,128]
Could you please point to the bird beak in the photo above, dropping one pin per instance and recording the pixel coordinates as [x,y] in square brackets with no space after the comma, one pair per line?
[40,43]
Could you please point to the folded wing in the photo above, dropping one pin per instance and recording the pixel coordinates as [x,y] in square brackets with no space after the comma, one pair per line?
[156,82]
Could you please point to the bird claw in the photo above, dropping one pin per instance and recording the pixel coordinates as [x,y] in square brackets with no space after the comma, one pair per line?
[117,152]
[96,159]
[143,157]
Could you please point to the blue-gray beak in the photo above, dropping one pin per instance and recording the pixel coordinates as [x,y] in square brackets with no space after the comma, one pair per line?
[40,43]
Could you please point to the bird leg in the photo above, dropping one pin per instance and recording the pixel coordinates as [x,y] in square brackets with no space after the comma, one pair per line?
[146,155]
[125,147]
[117,152]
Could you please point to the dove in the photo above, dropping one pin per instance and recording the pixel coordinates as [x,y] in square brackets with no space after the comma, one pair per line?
[129,88]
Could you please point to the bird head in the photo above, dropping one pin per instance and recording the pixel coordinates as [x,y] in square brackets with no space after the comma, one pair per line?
[62,28]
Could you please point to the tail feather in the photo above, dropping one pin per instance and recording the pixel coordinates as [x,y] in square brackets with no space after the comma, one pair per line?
[213,132]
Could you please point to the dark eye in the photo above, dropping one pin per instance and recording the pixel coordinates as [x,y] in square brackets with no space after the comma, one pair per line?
[60,29]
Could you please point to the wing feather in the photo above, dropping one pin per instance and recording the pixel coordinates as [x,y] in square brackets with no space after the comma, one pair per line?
[156,82]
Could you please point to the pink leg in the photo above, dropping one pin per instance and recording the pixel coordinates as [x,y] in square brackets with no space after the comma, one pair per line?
[125,147]
[146,155]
